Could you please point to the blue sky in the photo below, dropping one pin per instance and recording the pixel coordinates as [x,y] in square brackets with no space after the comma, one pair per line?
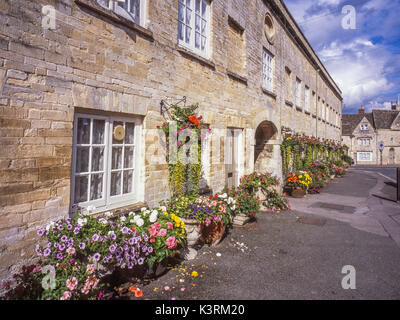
[364,62]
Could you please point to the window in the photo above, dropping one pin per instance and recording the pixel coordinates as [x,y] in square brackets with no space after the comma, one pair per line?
[322,110]
[288,81]
[306,98]
[364,142]
[268,61]
[130,9]
[364,127]
[105,166]
[194,25]
[364,156]
[298,92]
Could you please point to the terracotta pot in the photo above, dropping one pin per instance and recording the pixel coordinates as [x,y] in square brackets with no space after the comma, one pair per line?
[298,193]
[213,233]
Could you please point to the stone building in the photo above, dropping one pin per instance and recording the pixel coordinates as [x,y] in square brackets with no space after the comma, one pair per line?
[363,133]
[74,72]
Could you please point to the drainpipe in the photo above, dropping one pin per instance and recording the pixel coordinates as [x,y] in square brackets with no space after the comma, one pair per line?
[316,102]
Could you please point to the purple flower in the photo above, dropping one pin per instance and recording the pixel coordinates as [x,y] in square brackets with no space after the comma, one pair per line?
[82,245]
[140,261]
[56,245]
[64,238]
[125,230]
[41,232]
[69,227]
[95,237]
[150,249]
[61,247]
[71,262]
[76,230]
[60,228]
[38,251]
[113,237]
[46,252]
[59,256]
[97,256]
[112,248]
[131,241]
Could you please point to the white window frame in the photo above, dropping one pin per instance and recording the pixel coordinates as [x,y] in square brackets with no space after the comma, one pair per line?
[268,70]
[298,93]
[306,99]
[191,46]
[360,156]
[108,202]
[113,5]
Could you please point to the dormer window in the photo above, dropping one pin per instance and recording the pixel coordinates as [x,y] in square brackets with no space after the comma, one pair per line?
[364,127]
[129,9]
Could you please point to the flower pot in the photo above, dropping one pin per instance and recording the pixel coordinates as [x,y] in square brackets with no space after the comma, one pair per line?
[240,219]
[213,233]
[332,176]
[298,193]
[193,234]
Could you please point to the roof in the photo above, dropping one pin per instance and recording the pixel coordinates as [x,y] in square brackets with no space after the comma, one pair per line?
[379,119]
[350,122]
[384,118]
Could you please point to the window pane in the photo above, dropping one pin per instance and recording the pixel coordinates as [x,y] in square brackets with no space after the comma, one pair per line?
[188,31]
[129,133]
[198,6]
[116,183]
[203,27]
[128,158]
[128,179]
[97,159]
[197,40]
[98,131]
[203,9]
[203,43]
[197,23]
[82,159]
[81,189]
[181,31]
[116,158]
[96,186]
[83,131]
[181,12]
[188,16]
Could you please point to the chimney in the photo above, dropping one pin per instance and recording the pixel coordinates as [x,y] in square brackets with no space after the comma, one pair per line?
[361,111]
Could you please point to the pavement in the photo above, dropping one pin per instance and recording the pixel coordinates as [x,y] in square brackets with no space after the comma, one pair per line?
[300,254]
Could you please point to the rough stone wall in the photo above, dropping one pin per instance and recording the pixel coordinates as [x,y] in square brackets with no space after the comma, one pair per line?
[90,63]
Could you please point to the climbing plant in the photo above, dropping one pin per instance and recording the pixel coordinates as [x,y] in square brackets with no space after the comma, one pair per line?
[184,132]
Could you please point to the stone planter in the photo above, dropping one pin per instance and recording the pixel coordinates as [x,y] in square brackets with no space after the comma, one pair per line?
[240,219]
[298,193]
[332,176]
[193,234]
[213,233]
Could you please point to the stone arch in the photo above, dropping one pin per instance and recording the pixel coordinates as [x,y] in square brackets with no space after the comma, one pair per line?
[266,137]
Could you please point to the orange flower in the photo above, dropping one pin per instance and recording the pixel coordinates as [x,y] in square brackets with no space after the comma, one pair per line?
[194,120]
[138,293]
[133,229]
[132,289]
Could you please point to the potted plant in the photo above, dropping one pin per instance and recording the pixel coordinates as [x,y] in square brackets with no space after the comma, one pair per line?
[298,182]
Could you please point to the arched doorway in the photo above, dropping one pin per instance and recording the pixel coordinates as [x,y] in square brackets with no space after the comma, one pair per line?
[392,157]
[264,150]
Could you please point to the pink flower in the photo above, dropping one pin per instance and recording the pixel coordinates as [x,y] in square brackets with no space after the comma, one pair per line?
[152,231]
[90,268]
[66,296]
[72,283]
[162,233]
[171,242]
[208,221]
[170,225]
[179,143]
[152,240]
[71,251]
[157,225]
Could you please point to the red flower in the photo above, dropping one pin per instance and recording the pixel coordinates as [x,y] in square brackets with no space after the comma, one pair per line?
[194,120]
[251,214]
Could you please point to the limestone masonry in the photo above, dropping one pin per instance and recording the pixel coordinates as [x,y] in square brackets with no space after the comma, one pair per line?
[66,91]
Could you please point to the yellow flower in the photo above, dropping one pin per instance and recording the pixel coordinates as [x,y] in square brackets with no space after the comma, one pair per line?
[195,274]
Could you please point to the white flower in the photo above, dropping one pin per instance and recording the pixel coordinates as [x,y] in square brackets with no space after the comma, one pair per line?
[163,208]
[140,222]
[223,196]
[153,216]
[136,218]
[143,209]
[123,218]
[49,225]
[230,200]
[82,222]
[131,213]
[103,221]
[108,214]
[110,233]
[233,207]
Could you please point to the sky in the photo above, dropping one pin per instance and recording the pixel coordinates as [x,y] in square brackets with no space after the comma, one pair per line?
[365,61]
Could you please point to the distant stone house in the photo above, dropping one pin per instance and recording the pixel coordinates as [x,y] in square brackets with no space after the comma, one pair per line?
[364,132]
[74,74]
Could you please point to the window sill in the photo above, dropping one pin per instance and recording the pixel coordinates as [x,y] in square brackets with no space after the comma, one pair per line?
[127,208]
[236,77]
[195,56]
[314,116]
[268,92]
[93,6]
[307,112]
[299,108]
[289,103]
